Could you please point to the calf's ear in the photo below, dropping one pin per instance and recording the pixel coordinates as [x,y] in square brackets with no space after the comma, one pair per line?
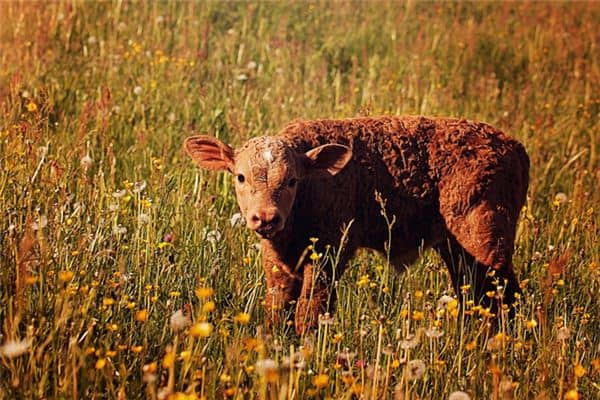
[209,153]
[327,160]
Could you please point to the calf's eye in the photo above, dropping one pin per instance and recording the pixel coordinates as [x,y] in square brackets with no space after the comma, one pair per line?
[241,178]
[292,182]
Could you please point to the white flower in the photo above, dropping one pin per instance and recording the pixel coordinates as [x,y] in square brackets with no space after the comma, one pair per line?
[251,65]
[143,219]
[119,193]
[213,237]
[25,94]
[231,31]
[137,90]
[237,220]
[119,230]
[179,321]
[325,319]
[563,333]
[86,161]
[40,223]
[14,348]
[264,367]
[92,40]
[139,187]
[42,151]
[444,300]
[242,77]
[409,342]
[560,198]
[434,333]
[113,207]
[459,395]
[415,369]
[171,117]
[160,19]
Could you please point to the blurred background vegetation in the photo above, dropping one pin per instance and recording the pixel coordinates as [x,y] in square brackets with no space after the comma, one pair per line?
[122,275]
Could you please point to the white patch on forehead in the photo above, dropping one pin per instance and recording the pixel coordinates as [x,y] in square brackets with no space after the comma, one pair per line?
[268,155]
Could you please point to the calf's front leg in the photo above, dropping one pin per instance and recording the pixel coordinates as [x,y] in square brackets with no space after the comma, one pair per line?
[316,297]
[283,287]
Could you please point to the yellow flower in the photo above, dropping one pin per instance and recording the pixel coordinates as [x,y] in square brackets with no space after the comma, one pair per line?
[320,381]
[185,355]
[242,318]
[174,294]
[141,315]
[65,276]
[204,292]
[230,391]
[572,395]
[208,307]
[579,370]
[225,378]
[531,324]
[201,329]
[168,359]
[107,301]
[31,106]
[418,315]
[100,363]
[137,349]
[111,353]
[471,345]
[363,281]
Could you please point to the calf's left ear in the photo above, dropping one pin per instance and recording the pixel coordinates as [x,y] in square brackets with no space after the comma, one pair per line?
[327,160]
[210,153]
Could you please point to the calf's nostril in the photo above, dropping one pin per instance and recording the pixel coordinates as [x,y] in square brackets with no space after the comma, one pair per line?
[275,220]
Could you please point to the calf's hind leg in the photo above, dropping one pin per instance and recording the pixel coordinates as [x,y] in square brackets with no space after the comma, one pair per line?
[481,246]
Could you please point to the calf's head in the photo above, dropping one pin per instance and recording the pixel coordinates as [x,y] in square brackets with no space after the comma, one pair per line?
[267,172]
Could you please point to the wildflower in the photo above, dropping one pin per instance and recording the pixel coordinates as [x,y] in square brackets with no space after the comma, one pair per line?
[242,318]
[139,187]
[174,294]
[563,333]
[242,77]
[119,193]
[325,319]
[40,223]
[137,349]
[418,315]
[411,341]
[268,369]
[100,363]
[201,329]
[572,394]
[213,237]
[251,65]
[579,370]
[141,315]
[65,275]
[237,220]
[14,348]
[31,106]
[171,117]
[471,345]
[137,90]
[208,307]
[434,333]
[459,395]
[143,219]
[179,321]
[169,358]
[320,381]
[415,369]
[560,198]
[204,292]
[531,324]
[108,301]
[86,161]
[363,281]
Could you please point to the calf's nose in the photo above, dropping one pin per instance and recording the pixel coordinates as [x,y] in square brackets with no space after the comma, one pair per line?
[264,220]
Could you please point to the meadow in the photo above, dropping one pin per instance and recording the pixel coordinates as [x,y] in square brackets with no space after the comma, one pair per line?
[123,272]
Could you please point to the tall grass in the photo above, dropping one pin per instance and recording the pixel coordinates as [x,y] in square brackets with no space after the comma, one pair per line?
[121,275]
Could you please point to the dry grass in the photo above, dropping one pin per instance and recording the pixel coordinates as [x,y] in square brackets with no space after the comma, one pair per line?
[107,230]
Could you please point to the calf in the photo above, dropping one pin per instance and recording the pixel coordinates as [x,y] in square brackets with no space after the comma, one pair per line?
[453,185]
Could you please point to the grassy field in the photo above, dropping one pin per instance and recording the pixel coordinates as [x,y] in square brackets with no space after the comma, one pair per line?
[121,275]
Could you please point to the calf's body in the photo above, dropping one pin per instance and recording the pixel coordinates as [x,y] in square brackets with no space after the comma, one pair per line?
[453,185]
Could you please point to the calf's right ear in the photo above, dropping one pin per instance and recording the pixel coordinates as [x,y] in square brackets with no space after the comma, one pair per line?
[210,153]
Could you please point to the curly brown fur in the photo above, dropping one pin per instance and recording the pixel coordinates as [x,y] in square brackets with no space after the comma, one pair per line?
[454,185]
